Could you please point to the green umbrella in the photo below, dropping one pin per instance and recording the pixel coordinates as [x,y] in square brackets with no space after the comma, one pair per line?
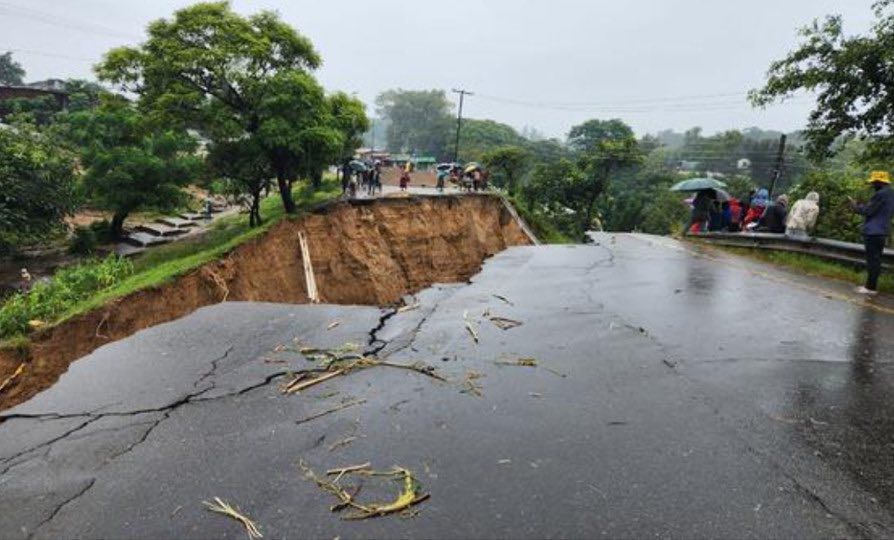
[358,165]
[698,184]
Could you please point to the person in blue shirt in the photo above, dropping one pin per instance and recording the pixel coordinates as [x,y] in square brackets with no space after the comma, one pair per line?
[877,214]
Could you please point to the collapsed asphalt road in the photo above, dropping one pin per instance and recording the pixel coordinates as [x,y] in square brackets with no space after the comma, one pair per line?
[675,394]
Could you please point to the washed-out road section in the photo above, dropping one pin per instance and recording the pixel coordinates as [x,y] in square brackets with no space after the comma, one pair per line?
[676,393]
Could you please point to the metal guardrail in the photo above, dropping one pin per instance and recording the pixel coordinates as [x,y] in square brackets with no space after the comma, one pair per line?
[824,248]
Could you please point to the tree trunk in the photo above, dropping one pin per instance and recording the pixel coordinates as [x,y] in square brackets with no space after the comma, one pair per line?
[254,213]
[116,228]
[316,179]
[285,192]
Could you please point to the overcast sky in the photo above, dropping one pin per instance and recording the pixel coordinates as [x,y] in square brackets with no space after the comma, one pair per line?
[548,64]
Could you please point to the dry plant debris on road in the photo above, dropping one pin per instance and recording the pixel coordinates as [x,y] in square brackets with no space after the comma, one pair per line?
[410,495]
[222,507]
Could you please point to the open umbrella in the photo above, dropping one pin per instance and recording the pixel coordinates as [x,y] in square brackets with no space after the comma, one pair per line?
[472,166]
[358,165]
[698,184]
[445,166]
[723,196]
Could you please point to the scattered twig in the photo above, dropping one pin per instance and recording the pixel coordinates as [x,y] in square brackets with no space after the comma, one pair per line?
[503,298]
[333,324]
[342,443]
[8,381]
[505,324]
[411,307]
[469,327]
[471,387]
[330,411]
[222,507]
[524,362]
[409,495]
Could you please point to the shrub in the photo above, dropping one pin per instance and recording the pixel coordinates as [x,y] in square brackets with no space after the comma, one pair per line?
[836,218]
[46,301]
[83,241]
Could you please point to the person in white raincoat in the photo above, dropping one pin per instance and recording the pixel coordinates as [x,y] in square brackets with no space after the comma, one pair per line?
[802,217]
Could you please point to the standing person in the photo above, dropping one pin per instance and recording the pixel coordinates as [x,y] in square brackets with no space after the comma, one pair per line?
[701,210]
[346,173]
[404,180]
[877,215]
[802,217]
[476,179]
[25,281]
[442,176]
[735,219]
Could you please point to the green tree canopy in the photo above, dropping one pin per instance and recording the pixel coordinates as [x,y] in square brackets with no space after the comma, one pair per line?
[36,183]
[130,164]
[851,76]
[481,136]
[244,166]
[11,72]
[418,121]
[508,164]
[232,77]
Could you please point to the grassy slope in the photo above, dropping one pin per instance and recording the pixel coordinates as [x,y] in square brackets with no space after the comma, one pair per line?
[161,264]
[813,266]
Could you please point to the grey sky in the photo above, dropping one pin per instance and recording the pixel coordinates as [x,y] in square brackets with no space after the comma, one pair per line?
[564,61]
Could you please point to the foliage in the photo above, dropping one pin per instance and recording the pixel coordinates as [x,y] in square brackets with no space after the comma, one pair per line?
[11,72]
[805,264]
[479,137]
[130,164]
[508,164]
[37,185]
[245,170]
[48,300]
[850,76]
[46,110]
[836,218]
[235,77]
[83,241]
[419,121]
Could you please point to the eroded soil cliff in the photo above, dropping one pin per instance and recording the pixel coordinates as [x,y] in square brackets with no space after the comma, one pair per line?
[363,252]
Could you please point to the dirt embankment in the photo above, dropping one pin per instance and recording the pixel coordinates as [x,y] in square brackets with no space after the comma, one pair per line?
[366,252]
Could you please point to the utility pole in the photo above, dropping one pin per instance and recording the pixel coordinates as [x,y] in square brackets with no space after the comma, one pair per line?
[777,172]
[459,120]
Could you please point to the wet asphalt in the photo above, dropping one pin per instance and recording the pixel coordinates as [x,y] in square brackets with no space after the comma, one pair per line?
[677,393]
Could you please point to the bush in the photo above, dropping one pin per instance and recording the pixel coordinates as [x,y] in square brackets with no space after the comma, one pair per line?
[49,300]
[83,242]
[836,218]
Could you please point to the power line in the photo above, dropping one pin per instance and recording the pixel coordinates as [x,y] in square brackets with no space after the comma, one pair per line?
[63,22]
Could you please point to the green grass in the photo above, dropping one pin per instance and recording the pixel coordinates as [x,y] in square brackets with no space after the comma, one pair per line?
[164,263]
[814,266]
[545,231]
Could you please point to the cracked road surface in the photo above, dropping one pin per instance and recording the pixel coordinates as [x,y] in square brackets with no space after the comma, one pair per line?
[677,393]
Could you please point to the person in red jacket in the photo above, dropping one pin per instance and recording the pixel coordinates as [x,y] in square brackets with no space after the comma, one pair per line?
[404,180]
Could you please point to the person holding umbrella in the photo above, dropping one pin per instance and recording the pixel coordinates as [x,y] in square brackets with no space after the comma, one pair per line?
[877,215]
[706,195]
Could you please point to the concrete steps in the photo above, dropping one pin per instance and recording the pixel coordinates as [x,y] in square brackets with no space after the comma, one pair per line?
[176,222]
[144,239]
[157,229]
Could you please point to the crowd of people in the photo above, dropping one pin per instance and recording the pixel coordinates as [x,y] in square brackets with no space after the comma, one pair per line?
[356,179]
[714,210]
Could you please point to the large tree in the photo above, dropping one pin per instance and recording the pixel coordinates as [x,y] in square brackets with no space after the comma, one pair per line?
[508,163]
[37,185]
[244,166]
[851,76]
[231,76]
[419,121]
[11,72]
[130,163]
